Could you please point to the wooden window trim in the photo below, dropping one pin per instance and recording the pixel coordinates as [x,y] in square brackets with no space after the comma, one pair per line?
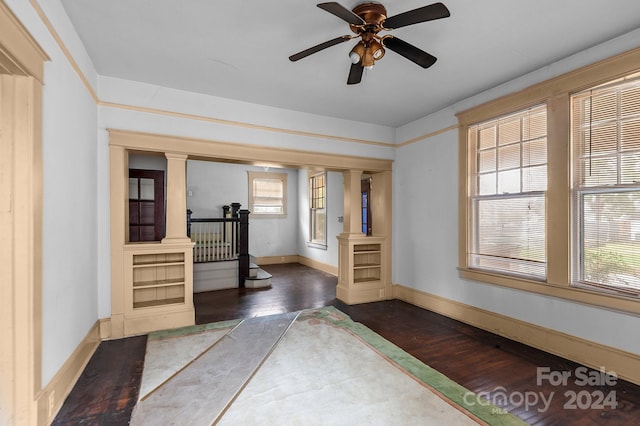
[555,93]
[314,243]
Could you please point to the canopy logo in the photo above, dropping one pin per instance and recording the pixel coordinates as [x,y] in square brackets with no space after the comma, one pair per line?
[573,400]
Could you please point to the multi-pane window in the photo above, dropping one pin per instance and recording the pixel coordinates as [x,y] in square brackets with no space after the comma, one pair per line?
[318,209]
[267,194]
[508,183]
[556,211]
[606,185]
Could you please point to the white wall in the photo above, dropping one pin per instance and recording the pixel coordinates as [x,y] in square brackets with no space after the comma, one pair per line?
[335,209]
[70,258]
[176,112]
[213,185]
[426,227]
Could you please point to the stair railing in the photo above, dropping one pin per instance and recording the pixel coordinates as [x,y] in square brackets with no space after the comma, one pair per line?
[222,238]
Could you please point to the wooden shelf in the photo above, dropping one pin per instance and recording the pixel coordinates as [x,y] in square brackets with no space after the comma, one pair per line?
[366,248]
[365,280]
[156,284]
[159,302]
[154,264]
[366,265]
[158,279]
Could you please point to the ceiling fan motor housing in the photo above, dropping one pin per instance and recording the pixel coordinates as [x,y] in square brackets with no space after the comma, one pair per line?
[373,14]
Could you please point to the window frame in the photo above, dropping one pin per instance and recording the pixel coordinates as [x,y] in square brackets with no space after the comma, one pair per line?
[581,191]
[252,176]
[479,196]
[314,242]
[555,93]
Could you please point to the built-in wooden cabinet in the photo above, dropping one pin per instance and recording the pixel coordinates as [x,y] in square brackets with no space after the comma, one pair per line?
[366,263]
[158,286]
[158,279]
[363,271]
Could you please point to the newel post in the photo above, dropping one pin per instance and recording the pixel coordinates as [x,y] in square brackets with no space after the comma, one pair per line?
[235,208]
[243,249]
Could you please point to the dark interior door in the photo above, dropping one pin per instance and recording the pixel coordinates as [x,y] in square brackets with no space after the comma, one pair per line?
[146,205]
[365,187]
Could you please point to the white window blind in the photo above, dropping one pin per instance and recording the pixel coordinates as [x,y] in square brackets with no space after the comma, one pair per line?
[606,186]
[508,164]
[267,193]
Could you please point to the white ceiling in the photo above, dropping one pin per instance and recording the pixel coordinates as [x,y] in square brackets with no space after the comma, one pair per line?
[239,49]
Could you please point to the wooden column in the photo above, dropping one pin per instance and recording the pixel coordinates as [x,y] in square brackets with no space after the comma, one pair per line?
[176,215]
[381,201]
[20,249]
[352,202]
[364,263]
[119,194]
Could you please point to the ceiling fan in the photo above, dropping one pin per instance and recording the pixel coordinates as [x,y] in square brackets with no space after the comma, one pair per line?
[366,20]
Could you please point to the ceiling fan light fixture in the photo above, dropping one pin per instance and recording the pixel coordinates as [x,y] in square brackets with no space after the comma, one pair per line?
[357,53]
[367,60]
[377,51]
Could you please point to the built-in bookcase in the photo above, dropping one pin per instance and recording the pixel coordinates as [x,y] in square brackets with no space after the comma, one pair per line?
[366,263]
[363,274]
[158,290]
[158,279]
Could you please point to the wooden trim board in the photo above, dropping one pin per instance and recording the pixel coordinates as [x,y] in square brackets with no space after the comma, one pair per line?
[586,352]
[54,394]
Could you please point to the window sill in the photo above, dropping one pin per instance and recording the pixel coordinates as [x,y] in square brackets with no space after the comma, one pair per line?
[562,291]
[318,246]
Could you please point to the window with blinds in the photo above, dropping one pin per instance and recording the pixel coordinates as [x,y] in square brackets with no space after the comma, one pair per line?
[317,209]
[508,165]
[606,186]
[267,193]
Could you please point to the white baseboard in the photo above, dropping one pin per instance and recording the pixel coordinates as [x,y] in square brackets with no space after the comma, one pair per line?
[592,354]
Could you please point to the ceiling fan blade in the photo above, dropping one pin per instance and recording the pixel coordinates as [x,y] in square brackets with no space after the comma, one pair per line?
[415,16]
[318,48]
[409,51]
[355,74]
[341,12]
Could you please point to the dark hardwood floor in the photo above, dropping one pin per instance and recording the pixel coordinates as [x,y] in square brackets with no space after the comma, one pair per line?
[107,389]
[480,361]
[295,287]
